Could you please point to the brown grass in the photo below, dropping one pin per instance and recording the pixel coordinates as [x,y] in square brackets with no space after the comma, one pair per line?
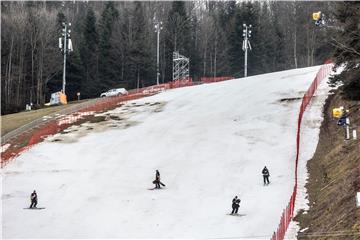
[13,121]
[334,179]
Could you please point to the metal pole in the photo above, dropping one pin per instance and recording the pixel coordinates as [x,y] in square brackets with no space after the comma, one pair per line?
[347,137]
[65,50]
[246,48]
[157,59]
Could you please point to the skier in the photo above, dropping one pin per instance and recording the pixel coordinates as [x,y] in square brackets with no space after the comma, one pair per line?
[235,205]
[266,175]
[157,181]
[33,198]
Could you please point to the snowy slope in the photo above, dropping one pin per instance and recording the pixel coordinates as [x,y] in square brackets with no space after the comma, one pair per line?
[209,142]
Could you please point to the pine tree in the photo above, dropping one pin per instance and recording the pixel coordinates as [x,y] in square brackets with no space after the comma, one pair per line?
[347,49]
[74,75]
[235,53]
[88,55]
[194,55]
[177,35]
[140,59]
[107,79]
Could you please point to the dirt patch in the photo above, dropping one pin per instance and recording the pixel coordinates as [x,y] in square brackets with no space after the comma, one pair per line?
[117,118]
[95,119]
[334,180]
[159,106]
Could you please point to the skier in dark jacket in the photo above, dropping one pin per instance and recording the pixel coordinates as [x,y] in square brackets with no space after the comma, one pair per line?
[33,198]
[266,175]
[235,205]
[157,181]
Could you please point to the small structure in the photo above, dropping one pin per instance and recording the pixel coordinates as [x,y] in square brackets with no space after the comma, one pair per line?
[180,66]
[57,98]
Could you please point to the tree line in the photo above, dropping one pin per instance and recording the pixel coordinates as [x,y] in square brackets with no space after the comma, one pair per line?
[346,43]
[115,43]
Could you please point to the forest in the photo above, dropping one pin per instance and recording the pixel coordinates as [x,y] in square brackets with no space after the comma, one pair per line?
[115,43]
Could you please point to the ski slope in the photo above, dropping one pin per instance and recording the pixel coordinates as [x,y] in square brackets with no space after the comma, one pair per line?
[209,142]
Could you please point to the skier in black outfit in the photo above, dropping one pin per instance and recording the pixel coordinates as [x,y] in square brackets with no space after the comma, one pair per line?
[266,175]
[157,181]
[33,198]
[235,205]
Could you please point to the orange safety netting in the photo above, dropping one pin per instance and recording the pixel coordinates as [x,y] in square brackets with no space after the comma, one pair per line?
[214,79]
[288,212]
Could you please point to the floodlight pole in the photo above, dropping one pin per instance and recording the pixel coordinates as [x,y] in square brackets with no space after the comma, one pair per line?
[246,44]
[65,50]
[65,45]
[158,28]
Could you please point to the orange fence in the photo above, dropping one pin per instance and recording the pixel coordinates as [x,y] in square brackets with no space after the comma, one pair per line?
[214,79]
[288,212]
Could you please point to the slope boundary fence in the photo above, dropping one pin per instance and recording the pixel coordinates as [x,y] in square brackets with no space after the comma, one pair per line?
[288,212]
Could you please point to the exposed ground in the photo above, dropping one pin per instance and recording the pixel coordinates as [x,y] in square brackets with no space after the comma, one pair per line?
[118,118]
[334,179]
[13,121]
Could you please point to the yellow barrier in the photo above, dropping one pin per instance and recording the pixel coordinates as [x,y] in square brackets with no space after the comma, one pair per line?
[63,99]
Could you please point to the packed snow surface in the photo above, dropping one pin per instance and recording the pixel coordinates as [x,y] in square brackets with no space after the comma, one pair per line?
[209,142]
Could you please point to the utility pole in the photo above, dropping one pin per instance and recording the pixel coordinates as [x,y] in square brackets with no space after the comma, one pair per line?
[158,28]
[65,45]
[246,44]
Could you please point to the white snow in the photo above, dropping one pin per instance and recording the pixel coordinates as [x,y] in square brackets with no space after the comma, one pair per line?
[209,142]
[5,147]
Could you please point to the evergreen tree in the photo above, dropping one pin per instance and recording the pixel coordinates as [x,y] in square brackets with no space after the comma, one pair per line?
[235,53]
[107,79]
[74,75]
[60,20]
[266,42]
[347,49]
[88,55]
[194,55]
[140,59]
[177,35]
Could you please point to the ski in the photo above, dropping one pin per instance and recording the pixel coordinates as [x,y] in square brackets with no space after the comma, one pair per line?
[236,215]
[155,188]
[35,208]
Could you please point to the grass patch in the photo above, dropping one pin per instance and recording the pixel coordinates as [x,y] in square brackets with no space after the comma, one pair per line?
[13,121]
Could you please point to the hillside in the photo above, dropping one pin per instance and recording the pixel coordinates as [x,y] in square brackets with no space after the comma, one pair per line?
[210,143]
[334,179]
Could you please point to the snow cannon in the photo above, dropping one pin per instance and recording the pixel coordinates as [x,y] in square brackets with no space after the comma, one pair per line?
[337,112]
[318,17]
